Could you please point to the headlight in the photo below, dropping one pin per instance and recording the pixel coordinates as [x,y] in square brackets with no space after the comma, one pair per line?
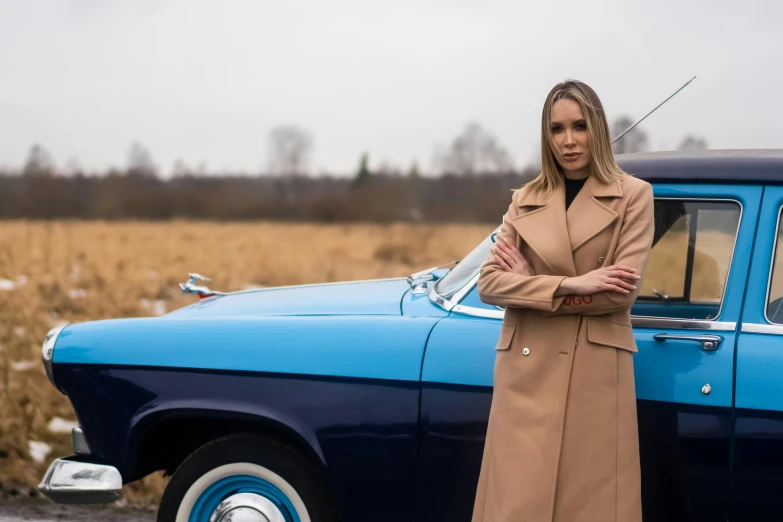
[47,351]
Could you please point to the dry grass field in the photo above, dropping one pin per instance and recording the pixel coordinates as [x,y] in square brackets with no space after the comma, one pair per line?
[80,271]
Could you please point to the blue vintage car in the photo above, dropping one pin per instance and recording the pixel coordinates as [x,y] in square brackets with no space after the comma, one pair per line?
[368,401]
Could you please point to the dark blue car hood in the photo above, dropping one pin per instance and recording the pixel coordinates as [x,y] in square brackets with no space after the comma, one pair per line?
[377,297]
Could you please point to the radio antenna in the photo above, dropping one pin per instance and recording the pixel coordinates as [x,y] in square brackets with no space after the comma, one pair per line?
[652,111]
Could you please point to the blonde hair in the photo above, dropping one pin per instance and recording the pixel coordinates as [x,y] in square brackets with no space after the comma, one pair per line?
[603,165]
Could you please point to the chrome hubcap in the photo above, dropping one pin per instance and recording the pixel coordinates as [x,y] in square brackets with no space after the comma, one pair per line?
[246,507]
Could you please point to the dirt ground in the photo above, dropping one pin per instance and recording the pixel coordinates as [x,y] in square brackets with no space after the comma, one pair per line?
[41,510]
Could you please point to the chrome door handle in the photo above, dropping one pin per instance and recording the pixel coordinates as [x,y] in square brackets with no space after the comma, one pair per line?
[709,343]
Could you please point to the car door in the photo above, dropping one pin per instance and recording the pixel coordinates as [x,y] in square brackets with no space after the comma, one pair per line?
[684,433]
[456,392]
[685,321]
[757,477]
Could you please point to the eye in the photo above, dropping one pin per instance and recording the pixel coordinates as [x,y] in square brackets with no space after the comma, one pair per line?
[581,126]
[556,129]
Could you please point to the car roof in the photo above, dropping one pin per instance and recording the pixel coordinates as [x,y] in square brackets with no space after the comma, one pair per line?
[715,166]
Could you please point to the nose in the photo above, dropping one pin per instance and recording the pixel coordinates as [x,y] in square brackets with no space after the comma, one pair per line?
[569,138]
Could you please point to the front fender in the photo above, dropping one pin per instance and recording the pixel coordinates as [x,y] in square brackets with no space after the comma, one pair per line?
[222,412]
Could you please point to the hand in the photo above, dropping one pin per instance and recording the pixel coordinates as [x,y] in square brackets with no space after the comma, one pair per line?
[615,278]
[510,258]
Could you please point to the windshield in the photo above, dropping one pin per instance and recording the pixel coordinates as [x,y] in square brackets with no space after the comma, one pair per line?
[460,274]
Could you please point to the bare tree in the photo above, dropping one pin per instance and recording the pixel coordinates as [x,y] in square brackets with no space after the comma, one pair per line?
[289,149]
[73,167]
[39,162]
[474,151]
[635,141]
[140,160]
[180,169]
[693,143]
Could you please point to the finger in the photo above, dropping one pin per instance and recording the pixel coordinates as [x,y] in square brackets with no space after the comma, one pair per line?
[624,268]
[505,266]
[613,288]
[512,252]
[506,257]
[505,248]
[619,282]
[623,275]
[622,272]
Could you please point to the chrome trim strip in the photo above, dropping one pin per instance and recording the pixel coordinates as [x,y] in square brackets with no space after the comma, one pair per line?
[439,300]
[80,446]
[682,324]
[636,321]
[479,312]
[773,329]
[71,482]
[771,266]
[47,353]
[308,285]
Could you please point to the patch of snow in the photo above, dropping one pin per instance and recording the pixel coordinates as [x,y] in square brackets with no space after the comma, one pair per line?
[160,307]
[38,450]
[77,293]
[21,366]
[8,284]
[60,425]
[157,307]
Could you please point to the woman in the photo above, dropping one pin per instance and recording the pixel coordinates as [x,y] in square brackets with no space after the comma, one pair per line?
[562,440]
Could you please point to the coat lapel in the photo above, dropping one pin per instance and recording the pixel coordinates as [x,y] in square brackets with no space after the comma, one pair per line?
[587,216]
[544,229]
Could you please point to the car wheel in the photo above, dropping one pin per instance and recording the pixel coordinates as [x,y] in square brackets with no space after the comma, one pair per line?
[247,477]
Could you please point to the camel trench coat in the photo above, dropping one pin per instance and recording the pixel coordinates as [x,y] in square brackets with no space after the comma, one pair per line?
[562,440]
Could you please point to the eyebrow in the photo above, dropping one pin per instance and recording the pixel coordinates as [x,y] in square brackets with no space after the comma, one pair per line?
[581,120]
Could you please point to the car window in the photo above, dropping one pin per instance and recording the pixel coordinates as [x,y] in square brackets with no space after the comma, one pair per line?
[690,259]
[774,309]
[459,275]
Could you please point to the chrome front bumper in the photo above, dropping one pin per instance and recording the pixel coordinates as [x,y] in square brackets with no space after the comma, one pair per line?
[73,482]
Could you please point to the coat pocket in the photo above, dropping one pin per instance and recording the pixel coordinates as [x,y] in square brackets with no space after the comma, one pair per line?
[610,333]
[506,334]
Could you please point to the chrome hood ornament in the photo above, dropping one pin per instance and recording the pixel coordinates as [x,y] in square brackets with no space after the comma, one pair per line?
[190,286]
[418,280]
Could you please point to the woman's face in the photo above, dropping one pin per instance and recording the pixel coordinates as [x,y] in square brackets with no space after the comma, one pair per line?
[569,130]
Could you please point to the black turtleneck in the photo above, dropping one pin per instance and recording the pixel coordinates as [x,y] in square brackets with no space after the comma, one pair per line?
[572,188]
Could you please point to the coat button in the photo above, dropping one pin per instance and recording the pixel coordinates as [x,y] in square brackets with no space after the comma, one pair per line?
[525,351]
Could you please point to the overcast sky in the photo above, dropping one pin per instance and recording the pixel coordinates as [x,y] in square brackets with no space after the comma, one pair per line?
[205,81]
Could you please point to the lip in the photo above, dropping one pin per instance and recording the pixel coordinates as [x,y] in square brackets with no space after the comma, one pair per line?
[571,156]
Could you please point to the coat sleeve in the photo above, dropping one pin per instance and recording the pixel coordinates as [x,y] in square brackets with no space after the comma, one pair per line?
[633,249]
[509,289]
